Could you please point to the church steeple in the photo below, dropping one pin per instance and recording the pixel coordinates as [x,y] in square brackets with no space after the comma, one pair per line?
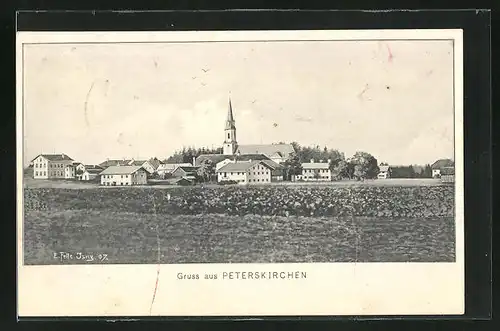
[230,144]
[230,124]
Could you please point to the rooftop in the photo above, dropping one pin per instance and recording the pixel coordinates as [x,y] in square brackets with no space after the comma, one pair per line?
[316,165]
[55,157]
[120,170]
[241,166]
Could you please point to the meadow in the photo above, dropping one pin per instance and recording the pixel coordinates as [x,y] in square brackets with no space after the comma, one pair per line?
[315,223]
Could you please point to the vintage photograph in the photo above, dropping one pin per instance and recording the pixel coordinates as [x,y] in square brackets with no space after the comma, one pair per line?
[197,169]
[239,152]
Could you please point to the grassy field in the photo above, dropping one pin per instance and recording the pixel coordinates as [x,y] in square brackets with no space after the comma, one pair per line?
[135,238]
[366,223]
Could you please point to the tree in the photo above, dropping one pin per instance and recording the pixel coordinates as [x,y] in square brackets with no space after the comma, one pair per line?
[339,169]
[206,171]
[364,165]
[292,166]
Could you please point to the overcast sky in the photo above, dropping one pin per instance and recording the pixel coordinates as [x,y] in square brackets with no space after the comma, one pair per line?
[96,101]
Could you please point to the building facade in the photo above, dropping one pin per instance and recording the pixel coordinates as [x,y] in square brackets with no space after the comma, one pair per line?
[123,176]
[69,171]
[245,172]
[50,166]
[439,165]
[315,171]
[384,172]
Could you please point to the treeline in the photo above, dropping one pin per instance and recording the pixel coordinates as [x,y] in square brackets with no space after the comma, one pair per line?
[186,154]
[412,171]
[361,165]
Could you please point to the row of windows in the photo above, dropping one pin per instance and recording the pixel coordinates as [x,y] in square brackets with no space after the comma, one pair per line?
[242,173]
[258,180]
[44,173]
[114,184]
[312,177]
[43,165]
[320,170]
[111,176]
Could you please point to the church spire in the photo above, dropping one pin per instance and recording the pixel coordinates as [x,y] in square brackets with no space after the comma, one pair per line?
[230,119]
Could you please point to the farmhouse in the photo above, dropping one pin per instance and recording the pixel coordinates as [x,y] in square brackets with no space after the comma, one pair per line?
[80,169]
[279,153]
[245,172]
[187,172]
[50,166]
[123,176]
[165,169]
[90,174]
[315,171]
[448,174]
[239,157]
[69,171]
[145,164]
[385,172]
[439,165]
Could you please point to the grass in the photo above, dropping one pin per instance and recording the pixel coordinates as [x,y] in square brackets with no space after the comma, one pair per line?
[135,238]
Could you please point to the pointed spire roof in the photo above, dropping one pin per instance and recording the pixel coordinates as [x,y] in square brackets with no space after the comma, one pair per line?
[230,118]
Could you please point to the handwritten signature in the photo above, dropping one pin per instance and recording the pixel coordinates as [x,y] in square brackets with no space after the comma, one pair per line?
[81,256]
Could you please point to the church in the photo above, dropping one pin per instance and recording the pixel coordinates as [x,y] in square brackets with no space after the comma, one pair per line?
[278,153]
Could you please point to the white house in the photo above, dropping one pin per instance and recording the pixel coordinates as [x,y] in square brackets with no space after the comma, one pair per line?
[90,174]
[168,168]
[384,172]
[315,171]
[123,176]
[439,165]
[245,172]
[80,169]
[50,166]
[145,164]
[69,171]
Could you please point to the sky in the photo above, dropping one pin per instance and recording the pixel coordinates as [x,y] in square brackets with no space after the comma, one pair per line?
[393,99]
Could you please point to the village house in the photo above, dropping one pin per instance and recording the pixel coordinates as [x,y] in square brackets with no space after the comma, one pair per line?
[384,172]
[448,174]
[187,172]
[50,166]
[69,171]
[439,165]
[315,171]
[123,176]
[166,169]
[245,172]
[90,174]
[145,164]
[80,169]
[240,158]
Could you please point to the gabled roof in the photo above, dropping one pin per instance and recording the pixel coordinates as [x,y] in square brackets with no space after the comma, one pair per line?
[154,162]
[442,163]
[447,171]
[138,162]
[383,168]
[121,170]
[241,166]
[173,166]
[315,165]
[215,158]
[273,165]
[109,163]
[55,157]
[270,149]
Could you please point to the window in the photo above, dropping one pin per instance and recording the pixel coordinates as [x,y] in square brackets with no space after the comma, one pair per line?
[121,183]
[36,173]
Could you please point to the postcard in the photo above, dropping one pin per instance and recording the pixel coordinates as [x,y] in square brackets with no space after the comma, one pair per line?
[240,173]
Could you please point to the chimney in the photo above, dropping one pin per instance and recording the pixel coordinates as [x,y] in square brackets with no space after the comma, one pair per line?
[312,160]
[194,161]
